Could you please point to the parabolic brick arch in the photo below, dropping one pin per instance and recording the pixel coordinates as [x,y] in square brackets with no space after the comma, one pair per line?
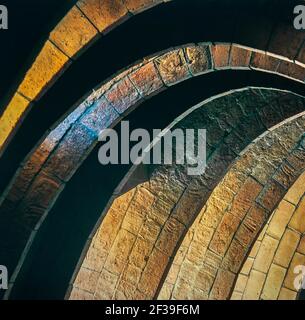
[71,228]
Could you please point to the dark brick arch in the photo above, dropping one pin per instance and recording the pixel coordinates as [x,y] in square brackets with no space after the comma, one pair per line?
[274,24]
[226,153]
[209,258]
[43,175]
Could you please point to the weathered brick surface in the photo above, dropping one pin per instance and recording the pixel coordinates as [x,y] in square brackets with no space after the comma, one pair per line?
[100,116]
[48,63]
[122,95]
[280,219]
[271,195]
[221,54]
[73,148]
[126,93]
[173,67]
[273,283]
[287,248]
[73,33]
[297,222]
[263,61]
[254,285]
[199,59]
[104,14]
[11,116]
[240,57]
[147,80]
[280,278]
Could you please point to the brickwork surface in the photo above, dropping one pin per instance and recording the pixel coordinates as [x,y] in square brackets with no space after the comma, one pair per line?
[212,252]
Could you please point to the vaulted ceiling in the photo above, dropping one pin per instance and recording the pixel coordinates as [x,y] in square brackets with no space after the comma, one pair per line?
[72,228]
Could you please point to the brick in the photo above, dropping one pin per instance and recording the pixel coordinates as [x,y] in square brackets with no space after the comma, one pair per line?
[287,248]
[245,198]
[273,282]
[106,286]
[286,294]
[280,219]
[150,230]
[169,236]
[39,197]
[247,266]
[195,252]
[172,67]
[49,63]
[140,253]
[222,285]
[188,271]
[224,233]
[199,59]
[263,61]
[265,254]
[147,80]
[124,291]
[11,116]
[78,294]
[69,153]
[73,33]
[254,285]
[234,257]
[297,159]
[108,230]
[120,251]
[137,210]
[251,226]
[236,296]
[86,280]
[296,191]
[166,291]
[301,248]
[241,283]
[298,260]
[172,275]
[240,57]
[188,205]
[157,263]
[181,290]
[132,274]
[104,14]
[292,70]
[204,281]
[256,246]
[297,221]
[100,116]
[95,259]
[123,95]
[220,55]
[271,195]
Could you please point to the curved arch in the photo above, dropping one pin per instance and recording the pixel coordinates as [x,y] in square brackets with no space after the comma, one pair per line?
[268,272]
[284,99]
[84,23]
[149,253]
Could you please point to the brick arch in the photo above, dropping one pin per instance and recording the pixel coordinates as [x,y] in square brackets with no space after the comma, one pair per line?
[135,244]
[86,22]
[268,272]
[38,183]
